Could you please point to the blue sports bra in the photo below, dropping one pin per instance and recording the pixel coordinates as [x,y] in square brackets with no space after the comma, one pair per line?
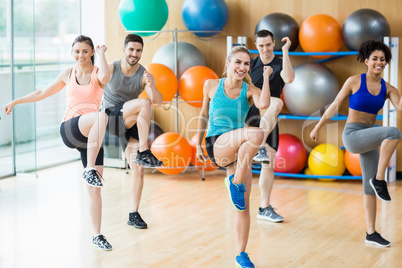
[363,101]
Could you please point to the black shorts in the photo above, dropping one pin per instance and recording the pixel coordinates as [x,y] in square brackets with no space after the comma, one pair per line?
[73,138]
[253,120]
[117,127]
[209,144]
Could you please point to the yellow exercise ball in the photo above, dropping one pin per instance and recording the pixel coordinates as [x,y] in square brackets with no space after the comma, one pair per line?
[326,159]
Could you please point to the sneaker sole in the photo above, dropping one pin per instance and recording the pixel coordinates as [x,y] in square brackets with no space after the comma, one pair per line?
[376,244]
[238,265]
[262,162]
[91,184]
[230,198]
[136,226]
[101,248]
[265,218]
[372,186]
[146,164]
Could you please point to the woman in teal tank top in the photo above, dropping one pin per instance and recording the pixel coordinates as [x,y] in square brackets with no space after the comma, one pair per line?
[229,143]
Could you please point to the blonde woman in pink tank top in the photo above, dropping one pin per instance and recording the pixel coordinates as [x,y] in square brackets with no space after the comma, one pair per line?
[83,126]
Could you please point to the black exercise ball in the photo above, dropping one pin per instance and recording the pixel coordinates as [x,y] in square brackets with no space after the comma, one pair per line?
[362,25]
[280,25]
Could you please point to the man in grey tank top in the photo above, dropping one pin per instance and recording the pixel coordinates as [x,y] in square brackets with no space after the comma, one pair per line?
[130,117]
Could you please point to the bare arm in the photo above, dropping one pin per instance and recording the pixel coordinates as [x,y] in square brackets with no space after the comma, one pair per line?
[40,94]
[345,91]
[148,82]
[262,98]
[104,72]
[203,120]
[287,72]
[394,97]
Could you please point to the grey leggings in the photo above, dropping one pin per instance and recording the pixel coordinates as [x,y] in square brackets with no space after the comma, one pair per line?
[365,140]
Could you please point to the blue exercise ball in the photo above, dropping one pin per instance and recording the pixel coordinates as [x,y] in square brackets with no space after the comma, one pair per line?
[140,15]
[362,25]
[314,87]
[188,56]
[204,15]
[280,25]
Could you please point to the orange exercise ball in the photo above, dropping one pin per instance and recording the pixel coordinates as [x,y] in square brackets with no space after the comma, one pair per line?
[208,166]
[352,162]
[174,151]
[320,33]
[191,84]
[165,81]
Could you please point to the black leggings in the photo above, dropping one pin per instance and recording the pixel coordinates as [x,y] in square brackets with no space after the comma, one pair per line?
[73,138]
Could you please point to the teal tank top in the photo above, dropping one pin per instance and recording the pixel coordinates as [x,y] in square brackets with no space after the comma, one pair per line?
[226,114]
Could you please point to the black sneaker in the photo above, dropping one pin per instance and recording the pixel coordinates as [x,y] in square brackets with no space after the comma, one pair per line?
[93,178]
[261,156]
[101,242]
[147,159]
[134,218]
[380,189]
[376,239]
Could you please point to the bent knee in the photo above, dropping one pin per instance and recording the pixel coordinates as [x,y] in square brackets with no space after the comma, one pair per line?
[145,102]
[103,116]
[394,133]
[256,135]
[278,103]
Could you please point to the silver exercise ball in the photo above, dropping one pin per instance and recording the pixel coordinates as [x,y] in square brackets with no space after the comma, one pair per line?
[188,56]
[280,25]
[362,25]
[314,87]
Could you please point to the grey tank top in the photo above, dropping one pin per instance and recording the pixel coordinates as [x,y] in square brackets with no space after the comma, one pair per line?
[121,88]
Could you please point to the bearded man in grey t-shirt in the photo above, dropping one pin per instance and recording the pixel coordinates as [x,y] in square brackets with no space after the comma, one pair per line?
[130,117]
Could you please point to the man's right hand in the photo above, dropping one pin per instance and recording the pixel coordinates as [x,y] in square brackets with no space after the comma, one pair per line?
[286,46]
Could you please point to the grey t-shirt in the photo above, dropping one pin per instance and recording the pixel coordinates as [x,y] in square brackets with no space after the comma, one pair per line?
[121,88]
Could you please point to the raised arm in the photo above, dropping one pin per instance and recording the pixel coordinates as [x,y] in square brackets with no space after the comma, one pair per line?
[40,94]
[104,72]
[148,82]
[262,98]
[287,72]
[203,119]
[345,91]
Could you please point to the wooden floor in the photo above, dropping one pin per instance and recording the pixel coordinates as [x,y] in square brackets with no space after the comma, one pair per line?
[44,223]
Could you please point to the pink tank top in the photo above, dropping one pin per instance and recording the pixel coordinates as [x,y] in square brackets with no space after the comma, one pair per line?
[82,99]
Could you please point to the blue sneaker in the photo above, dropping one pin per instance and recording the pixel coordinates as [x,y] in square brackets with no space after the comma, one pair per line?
[236,192]
[243,261]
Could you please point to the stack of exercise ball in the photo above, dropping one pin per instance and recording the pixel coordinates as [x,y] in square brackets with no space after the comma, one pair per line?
[192,82]
[314,87]
[188,56]
[174,151]
[291,155]
[326,159]
[165,81]
[140,15]
[362,25]
[205,15]
[208,166]
[281,25]
[320,33]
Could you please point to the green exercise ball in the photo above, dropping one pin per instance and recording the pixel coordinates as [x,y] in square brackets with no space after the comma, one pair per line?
[140,15]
